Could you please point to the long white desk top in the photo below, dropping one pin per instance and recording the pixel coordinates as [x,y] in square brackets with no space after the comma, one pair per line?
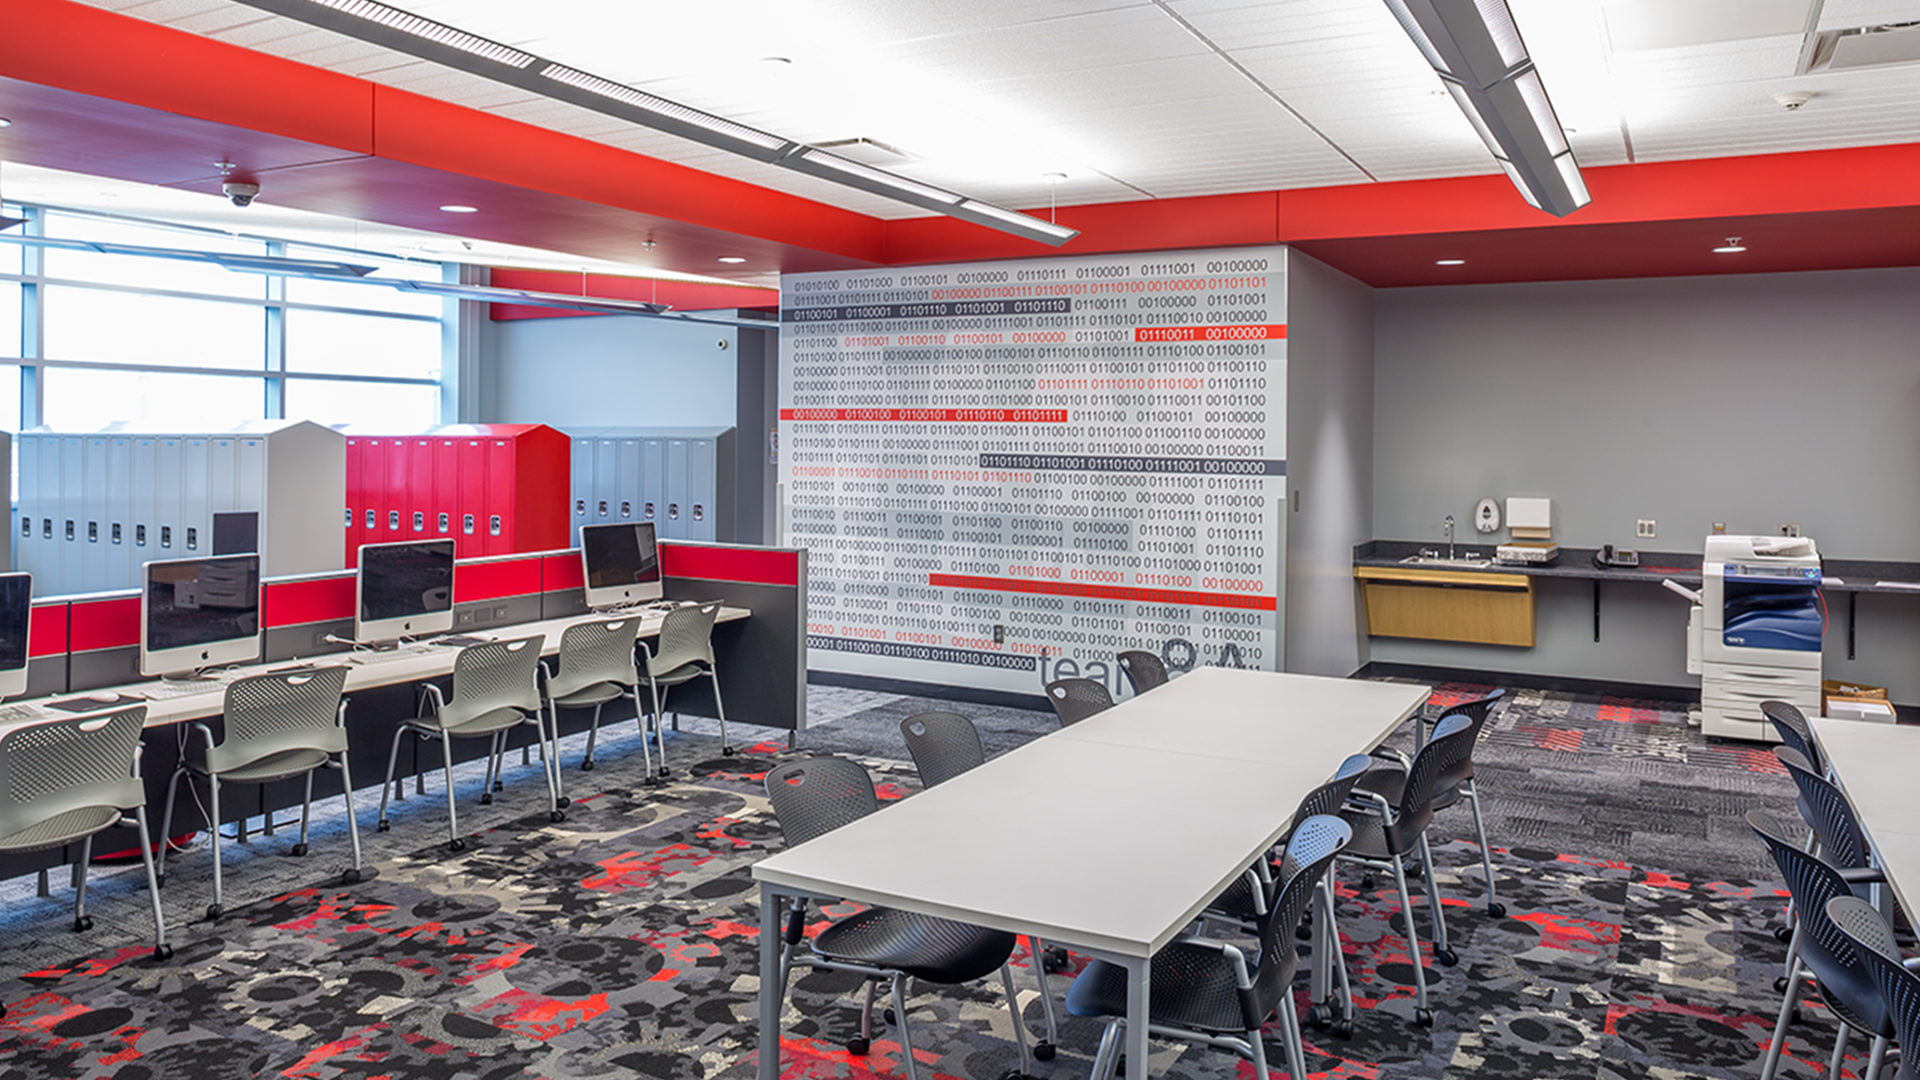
[366,670]
[1874,764]
[1148,810]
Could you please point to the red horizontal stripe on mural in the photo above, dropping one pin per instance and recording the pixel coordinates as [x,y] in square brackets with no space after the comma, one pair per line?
[1210,333]
[103,624]
[494,580]
[47,633]
[1103,592]
[558,572]
[932,416]
[291,603]
[757,566]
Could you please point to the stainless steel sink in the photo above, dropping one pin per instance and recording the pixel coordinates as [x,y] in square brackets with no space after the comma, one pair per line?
[1442,562]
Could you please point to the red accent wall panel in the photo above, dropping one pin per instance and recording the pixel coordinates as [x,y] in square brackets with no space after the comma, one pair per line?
[473,582]
[561,572]
[47,632]
[103,624]
[1159,224]
[760,566]
[290,603]
[680,295]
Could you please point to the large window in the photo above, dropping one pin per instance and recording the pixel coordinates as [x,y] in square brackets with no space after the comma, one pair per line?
[172,342]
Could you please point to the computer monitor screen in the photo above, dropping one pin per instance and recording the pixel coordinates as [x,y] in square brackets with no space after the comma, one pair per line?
[404,590]
[16,610]
[621,563]
[236,532]
[197,613]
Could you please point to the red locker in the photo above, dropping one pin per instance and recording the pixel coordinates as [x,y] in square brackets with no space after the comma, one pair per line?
[418,523]
[501,480]
[356,501]
[393,518]
[473,498]
[446,487]
[373,474]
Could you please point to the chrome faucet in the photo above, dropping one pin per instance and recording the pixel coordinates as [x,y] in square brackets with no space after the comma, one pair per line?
[1449,537]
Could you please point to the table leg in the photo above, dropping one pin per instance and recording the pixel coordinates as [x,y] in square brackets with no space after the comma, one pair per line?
[769,983]
[1139,989]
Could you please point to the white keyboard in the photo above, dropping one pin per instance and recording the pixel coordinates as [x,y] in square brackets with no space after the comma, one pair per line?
[162,691]
[10,713]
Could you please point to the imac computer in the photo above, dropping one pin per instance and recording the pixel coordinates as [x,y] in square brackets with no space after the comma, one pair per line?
[403,590]
[16,609]
[199,613]
[622,565]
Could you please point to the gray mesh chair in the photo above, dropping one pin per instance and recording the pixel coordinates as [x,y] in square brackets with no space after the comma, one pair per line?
[278,725]
[684,653]
[1872,939]
[1203,990]
[944,745]
[1076,699]
[596,666]
[69,779]
[813,797]
[496,687]
[1827,958]
[1386,832]
[1144,670]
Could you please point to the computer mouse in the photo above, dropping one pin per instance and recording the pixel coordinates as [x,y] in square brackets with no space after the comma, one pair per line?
[105,697]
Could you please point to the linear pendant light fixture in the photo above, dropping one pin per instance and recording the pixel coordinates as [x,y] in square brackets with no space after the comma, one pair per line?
[1475,48]
[402,31]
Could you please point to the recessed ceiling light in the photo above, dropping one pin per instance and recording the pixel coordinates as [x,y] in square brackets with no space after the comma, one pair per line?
[733,258]
[4,122]
[1056,177]
[778,61]
[1449,262]
[457,208]
[1733,246]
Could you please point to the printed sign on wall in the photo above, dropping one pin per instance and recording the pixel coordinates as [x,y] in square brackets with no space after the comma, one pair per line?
[1008,472]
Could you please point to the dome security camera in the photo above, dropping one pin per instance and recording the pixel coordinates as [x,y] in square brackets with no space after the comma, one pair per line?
[241,192]
[1792,99]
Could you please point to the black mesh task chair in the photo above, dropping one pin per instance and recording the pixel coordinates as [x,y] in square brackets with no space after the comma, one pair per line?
[813,797]
[1387,831]
[1204,990]
[1899,987]
[944,745]
[1826,956]
[1455,783]
[1076,699]
[1144,670]
[1794,731]
[1835,832]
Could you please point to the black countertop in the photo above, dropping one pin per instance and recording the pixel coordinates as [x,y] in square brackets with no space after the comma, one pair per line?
[1682,567]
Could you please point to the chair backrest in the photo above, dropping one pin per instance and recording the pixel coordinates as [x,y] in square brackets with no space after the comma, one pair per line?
[1144,670]
[817,795]
[281,711]
[1328,798]
[595,652]
[1314,844]
[1834,960]
[686,637]
[1450,741]
[492,677]
[1794,731]
[1872,939]
[943,745]
[54,767]
[1076,699]
[1830,815]
[1477,712]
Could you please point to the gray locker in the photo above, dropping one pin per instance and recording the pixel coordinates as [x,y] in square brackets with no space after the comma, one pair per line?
[140,539]
[606,480]
[674,525]
[581,481]
[222,459]
[166,491]
[72,486]
[93,515]
[653,483]
[681,479]
[626,499]
[26,531]
[48,529]
[117,529]
[191,539]
[698,510]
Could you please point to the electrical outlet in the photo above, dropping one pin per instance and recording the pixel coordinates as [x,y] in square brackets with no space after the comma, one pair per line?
[1644,529]
[1791,528]
[500,612]
[464,617]
[999,635]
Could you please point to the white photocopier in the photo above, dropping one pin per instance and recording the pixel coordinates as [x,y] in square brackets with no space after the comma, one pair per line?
[1754,632]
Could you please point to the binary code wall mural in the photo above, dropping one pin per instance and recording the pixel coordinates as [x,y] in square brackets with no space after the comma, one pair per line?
[1008,472]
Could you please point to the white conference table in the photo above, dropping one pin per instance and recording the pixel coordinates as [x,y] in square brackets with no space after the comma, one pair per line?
[366,670]
[1873,764]
[1151,809]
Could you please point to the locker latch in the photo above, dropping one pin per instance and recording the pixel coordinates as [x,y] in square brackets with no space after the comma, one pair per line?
[673,511]
[466,522]
[166,536]
[445,523]
[493,525]
[373,520]
[193,538]
[699,512]
[649,509]
[349,517]
[46,529]
[580,507]
[603,508]
[116,532]
[93,532]
[139,536]
[393,521]
[626,508]
[419,521]
[69,528]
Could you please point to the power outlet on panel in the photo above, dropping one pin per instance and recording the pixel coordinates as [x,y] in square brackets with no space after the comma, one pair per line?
[464,617]
[1791,528]
[1644,529]
[500,612]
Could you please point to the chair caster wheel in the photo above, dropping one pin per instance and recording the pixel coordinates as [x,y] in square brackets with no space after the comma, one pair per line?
[499,785]
[160,880]
[563,802]
[556,816]
[83,924]
[1014,1074]
[353,877]
[1783,934]
[486,799]
[1303,933]
[1780,985]
[886,1015]
[857,1046]
[728,751]
[1060,957]
[1366,881]
[299,850]
[587,765]
[1423,1017]
[1447,957]
[1496,911]
[1120,1065]
[1317,1017]
[1043,1051]
[1343,1029]
[384,826]
[162,953]
[456,845]
[214,911]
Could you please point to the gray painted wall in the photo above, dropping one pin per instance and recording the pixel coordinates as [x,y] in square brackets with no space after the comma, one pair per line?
[1752,399]
[1330,464]
[607,370]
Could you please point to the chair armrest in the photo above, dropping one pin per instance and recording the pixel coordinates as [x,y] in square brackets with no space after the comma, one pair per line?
[340,715]
[1911,963]
[1864,875]
[1238,959]
[1393,757]
[1379,802]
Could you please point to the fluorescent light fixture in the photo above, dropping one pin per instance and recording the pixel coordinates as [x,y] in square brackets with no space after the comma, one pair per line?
[428,30]
[1733,246]
[491,295]
[733,259]
[1449,262]
[834,167]
[1015,222]
[458,208]
[1476,49]
[663,110]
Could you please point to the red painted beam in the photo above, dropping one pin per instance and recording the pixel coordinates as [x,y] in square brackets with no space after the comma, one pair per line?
[681,295]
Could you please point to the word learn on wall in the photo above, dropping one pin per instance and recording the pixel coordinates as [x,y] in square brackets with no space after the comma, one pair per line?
[1008,472]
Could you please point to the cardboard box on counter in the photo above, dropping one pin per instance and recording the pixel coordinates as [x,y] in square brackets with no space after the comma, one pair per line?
[1854,701]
